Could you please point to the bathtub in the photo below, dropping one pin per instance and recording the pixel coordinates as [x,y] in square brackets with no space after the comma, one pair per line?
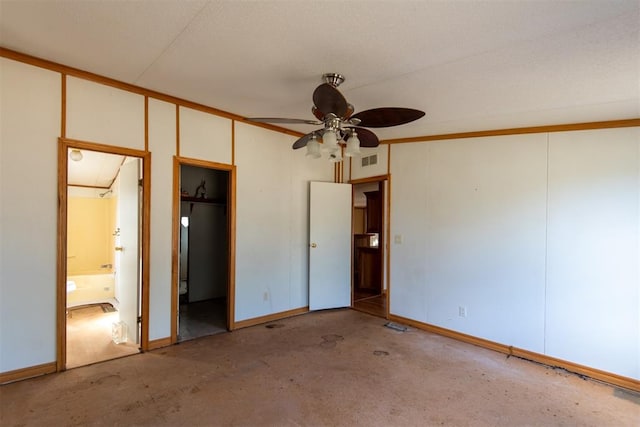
[90,289]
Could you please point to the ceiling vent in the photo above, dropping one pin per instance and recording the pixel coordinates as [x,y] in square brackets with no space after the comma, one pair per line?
[370,160]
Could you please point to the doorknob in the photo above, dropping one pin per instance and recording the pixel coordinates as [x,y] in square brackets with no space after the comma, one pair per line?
[119,248]
[313,245]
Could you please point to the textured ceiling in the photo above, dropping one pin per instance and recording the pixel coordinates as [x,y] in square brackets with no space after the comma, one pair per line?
[470,65]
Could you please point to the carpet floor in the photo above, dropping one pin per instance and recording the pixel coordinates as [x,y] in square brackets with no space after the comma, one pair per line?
[327,368]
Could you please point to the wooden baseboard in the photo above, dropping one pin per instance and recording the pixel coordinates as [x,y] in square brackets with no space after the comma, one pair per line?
[29,372]
[270,318]
[159,343]
[608,377]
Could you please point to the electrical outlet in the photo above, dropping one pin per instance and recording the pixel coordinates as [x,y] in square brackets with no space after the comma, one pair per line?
[462,311]
[265,296]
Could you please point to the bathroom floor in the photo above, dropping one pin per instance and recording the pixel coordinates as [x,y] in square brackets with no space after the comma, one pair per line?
[202,318]
[89,337]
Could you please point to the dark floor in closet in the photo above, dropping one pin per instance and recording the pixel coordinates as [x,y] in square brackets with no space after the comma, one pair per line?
[198,319]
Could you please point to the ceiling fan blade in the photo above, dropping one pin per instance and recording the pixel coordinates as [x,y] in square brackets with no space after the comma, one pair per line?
[303,141]
[387,116]
[328,99]
[366,137]
[283,120]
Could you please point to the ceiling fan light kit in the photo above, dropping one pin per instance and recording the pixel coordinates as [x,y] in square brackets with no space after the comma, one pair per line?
[342,128]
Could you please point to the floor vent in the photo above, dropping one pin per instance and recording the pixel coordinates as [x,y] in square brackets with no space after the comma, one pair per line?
[396,327]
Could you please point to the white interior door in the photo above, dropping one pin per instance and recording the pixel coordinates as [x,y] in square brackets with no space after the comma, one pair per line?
[128,247]
[330,245]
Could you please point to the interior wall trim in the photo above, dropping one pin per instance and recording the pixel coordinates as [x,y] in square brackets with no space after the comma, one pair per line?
[61,263]
[86,75]
[75,72]
[28,372]
[63,106]
[516,131]
[597,374]
[369,179]
[159,343]
[270,317]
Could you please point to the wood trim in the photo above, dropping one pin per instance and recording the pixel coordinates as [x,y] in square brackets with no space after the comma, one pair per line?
[369,179]
[61,277]
[231,210]
[608,377]
[175,244]
[175,249]
[146,248]
[177,130]
[387,247]
[29,372]
[61,261]
[517,131]
[204,164]
[53,66]
[159,343]
[63,107]
[271,317]
[65,70]
[146,123]
[103,148]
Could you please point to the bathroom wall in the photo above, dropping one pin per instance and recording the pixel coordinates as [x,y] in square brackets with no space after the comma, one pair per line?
[90,234]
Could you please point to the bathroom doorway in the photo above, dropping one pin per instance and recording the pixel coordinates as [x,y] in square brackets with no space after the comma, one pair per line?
[103,234]
[203,280]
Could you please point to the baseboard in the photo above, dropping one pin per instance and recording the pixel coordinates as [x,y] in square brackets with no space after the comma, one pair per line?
[608,377]
[29,372]
[269,318]
[159,343]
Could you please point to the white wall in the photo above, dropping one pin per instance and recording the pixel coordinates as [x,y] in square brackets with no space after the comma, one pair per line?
[380,168]
[162,144]
[593,259]
[544,263]
[30,105]
[271,217]
[103,114]
[205,136]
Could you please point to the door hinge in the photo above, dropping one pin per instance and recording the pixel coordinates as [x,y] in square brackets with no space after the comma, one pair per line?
[140,183]
[139,319]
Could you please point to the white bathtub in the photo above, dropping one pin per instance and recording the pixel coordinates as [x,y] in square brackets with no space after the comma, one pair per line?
[90,289]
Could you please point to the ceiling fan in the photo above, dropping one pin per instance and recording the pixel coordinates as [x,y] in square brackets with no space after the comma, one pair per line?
[340,125]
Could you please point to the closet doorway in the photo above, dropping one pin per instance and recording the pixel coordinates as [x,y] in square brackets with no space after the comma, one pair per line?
[102,233]
[369,242]
[202,282]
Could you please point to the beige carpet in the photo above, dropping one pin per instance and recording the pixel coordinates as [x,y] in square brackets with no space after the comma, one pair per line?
[330,368]
[89,337]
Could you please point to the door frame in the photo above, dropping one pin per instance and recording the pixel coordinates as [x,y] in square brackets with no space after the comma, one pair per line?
[64,144]
[385,234]
[178,161]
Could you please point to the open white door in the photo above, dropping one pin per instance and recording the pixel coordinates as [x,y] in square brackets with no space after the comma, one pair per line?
[330,241]
[127,247]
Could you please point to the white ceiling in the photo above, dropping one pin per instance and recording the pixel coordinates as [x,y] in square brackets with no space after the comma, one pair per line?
[470,65]
[97,170]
